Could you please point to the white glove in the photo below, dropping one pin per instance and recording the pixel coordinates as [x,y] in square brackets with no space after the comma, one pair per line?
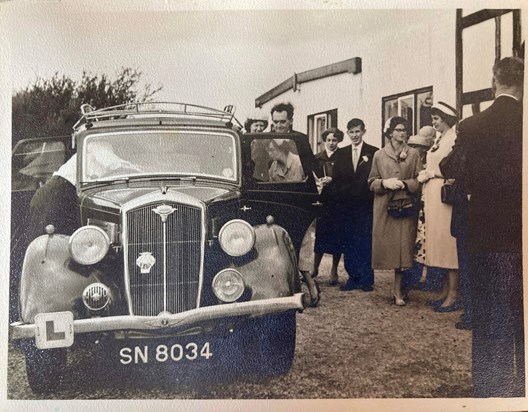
[393,184]
[425,175]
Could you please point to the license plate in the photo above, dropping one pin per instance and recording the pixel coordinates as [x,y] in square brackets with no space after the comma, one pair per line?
[54,330]
[141,354]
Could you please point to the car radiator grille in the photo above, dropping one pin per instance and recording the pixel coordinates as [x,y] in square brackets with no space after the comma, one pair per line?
[172,282]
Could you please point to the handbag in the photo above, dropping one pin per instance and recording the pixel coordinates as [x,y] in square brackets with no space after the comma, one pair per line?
[448,193]
[402,208]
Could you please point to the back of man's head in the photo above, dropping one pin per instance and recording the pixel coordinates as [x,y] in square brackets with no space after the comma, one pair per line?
[509,72]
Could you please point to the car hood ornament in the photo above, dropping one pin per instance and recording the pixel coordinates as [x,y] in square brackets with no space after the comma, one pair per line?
[145,261]
[164,211]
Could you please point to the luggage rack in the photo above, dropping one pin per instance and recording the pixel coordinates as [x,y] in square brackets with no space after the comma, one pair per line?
[165,109]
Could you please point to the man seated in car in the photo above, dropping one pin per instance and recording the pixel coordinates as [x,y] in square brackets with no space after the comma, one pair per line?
[285,166]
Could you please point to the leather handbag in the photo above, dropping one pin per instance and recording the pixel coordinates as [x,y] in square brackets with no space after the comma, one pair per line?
[404,207]
[448,193]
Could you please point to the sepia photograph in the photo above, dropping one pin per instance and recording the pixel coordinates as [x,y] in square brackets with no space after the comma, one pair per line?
[300,205]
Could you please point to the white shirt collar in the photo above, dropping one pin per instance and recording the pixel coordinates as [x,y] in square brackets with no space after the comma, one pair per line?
[506,94]
[329,153]
[359,147]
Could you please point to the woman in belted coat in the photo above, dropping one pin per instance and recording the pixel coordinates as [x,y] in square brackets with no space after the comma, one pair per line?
[394,171]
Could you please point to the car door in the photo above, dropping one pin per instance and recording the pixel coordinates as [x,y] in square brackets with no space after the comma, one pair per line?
[274,188]
[32,164]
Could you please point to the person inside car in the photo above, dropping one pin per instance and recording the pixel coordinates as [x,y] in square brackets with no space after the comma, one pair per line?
[285,166]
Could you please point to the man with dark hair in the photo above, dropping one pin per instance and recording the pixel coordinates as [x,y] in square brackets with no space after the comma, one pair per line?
[282,117]
[353,199]
[487,161]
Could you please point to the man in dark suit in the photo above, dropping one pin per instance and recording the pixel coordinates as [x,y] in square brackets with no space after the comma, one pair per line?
[487,161]
[352,199]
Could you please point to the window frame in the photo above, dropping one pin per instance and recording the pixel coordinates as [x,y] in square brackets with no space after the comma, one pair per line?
[399,96]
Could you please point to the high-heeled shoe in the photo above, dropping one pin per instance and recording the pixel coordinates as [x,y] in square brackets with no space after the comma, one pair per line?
[398,301]
[457,304]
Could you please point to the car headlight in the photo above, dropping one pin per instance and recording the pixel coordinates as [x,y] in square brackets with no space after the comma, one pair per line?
[228,285]
[88,245]
[237,237]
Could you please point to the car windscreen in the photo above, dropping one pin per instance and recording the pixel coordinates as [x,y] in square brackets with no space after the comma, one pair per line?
[131,154]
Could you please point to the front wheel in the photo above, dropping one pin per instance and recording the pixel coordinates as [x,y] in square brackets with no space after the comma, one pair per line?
[275,343]
[44,368]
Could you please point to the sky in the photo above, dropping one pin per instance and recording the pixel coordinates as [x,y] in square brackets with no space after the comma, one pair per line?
[205,57]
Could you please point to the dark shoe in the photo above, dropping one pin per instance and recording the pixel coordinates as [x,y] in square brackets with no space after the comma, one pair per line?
[435,302]
[463,326]
[348,286]
[368,288]
[457,304]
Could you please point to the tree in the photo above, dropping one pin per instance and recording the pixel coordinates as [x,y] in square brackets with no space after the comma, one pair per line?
[50,107]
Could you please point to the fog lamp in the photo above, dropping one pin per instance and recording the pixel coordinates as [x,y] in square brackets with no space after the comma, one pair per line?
[88,245]
[228,285]
[96,296]
[237,237]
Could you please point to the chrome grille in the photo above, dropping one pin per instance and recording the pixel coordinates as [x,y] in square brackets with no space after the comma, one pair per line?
[172,282]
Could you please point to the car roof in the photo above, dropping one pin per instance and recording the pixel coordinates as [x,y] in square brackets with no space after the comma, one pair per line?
[157,113]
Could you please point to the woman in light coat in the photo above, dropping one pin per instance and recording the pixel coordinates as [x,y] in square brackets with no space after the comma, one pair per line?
[440,249]
[393,175]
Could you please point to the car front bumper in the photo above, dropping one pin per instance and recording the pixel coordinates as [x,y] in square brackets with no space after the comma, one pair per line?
[19,330]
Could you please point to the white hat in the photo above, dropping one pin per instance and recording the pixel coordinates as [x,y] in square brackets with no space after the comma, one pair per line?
[445,108]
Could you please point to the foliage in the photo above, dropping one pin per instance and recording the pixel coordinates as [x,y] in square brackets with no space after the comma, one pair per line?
[50,107]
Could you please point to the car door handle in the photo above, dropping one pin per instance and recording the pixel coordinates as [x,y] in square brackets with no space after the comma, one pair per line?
[245,208]
[318,203]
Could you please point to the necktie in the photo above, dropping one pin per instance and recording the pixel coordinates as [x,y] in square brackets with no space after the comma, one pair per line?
[355,158]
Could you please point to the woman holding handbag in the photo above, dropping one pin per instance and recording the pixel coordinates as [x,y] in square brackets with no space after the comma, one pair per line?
[393,181]
[440,248]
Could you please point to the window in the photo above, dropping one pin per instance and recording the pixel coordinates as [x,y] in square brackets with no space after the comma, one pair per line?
[483,37]
[414,106]
[276,161]
[317,124]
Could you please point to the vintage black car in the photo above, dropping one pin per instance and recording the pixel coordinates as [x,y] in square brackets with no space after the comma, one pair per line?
[184,247]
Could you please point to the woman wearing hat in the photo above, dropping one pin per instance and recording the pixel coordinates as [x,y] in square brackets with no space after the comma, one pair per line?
[440,249]
[393,176]
[256,123]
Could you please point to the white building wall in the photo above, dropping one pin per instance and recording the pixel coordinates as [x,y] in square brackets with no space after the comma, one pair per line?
[392,62]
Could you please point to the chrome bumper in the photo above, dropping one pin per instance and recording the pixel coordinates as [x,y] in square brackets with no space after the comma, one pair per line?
[19,330]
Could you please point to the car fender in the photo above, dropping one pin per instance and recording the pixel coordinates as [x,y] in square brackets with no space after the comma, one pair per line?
[51,281]
[273,271]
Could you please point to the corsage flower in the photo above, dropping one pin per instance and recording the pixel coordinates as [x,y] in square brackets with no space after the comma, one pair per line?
[403,155]
[365,158]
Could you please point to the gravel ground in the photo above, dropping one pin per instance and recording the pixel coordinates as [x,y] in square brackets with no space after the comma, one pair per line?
[354,345]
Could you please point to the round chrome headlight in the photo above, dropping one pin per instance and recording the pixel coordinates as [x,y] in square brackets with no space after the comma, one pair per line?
[237,237]
[228,285]
[96,296]
[88,245]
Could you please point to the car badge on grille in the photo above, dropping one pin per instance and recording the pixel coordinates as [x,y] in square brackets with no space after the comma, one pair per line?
[164,211]
[145,261]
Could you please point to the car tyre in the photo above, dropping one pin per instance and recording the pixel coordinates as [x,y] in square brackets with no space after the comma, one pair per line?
[275,337]
[45,368]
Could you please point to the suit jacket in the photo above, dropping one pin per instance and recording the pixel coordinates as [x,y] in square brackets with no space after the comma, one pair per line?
[325,164]
[350,188]
[487,162]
